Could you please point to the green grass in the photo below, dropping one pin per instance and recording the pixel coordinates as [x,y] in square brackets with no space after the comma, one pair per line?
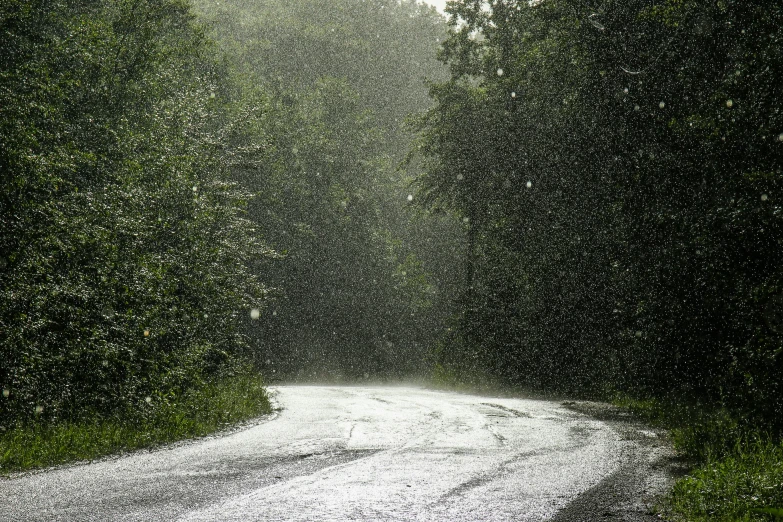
[737,472]
[197,413]
[742,486]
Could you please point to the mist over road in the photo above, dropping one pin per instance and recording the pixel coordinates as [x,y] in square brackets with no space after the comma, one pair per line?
[369,453]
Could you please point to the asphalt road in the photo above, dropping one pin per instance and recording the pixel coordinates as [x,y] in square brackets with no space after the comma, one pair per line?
[372,453]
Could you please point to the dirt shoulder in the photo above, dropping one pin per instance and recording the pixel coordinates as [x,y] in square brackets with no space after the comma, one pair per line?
[633,492]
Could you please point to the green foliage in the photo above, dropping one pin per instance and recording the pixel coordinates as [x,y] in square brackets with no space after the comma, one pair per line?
[746,485]
[364,287]
[125,247]
[620,176]
[194,413]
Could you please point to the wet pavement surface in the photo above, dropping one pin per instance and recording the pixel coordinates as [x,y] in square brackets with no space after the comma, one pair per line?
[374,453]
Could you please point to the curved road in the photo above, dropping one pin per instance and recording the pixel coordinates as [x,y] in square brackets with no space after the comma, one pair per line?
[370,453]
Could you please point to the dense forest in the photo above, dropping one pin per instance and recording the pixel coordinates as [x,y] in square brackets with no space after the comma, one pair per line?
[620,171]
[364,283]
[190,190]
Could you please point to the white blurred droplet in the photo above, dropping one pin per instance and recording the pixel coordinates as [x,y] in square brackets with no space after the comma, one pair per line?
[254,313]
[366,375]
[625,90]
[6,392]
[500,72]
[39,409]
[529,184]
[513,94]
[460,177]
[274,312]
[465,219]
[212,95]
[146,333]
[661,105]
[780,137]
[764,197]
[638,333]
[410,197]
[729,103]
[206,316]
[105,363]
[636,107]
[148,399]
[195,188]
[268,361]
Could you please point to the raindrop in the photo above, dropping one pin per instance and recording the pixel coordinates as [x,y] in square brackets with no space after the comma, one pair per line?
[212,96]
[39,409]
[148,399]
[661,105]
[146,333]
[625,90]
[500,72]
[254,313]
[729,103]
[780,136]
[513,94]
[598,25]
[105,363]
[465,219]
[764,197]
[410,197]
[638,333]
[268,361]
[206,316]
[195,188]
[460,177]
[366,375]
[6,392]
[636,107]
[529,184]
[274,313]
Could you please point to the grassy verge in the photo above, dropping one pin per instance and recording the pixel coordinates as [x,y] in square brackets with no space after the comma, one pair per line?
[197,413]
[737,472]
[745,485]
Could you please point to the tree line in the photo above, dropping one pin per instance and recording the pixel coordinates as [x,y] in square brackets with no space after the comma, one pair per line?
[619,168]
[188,191]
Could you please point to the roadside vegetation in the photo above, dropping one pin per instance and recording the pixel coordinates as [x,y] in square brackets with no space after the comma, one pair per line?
[214,406]
[125,250]
[736,467]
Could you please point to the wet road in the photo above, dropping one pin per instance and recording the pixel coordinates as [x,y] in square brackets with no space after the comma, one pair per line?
[368,453]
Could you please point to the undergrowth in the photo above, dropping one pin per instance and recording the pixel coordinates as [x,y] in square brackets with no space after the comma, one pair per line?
[197,413]
[737,470]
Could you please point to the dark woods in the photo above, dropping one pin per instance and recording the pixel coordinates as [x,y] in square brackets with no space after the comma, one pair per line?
[618,166]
